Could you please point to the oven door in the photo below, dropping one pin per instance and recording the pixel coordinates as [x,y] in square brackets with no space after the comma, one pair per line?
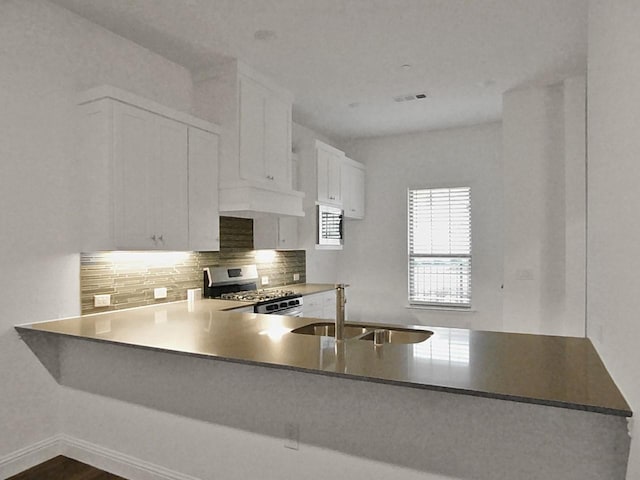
[290,312]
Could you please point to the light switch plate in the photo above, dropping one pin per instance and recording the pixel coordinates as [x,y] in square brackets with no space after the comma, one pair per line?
[265,280]
[296,277]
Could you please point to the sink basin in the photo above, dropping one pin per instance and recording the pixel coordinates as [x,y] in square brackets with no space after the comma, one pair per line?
[366,332]
[328,329]
[401,335]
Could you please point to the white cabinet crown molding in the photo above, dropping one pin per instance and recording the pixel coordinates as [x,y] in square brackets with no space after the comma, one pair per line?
[241,67]
[114,93]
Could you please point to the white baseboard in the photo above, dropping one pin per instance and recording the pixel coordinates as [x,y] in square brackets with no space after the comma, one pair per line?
[100,457]
[116,462]
[30,456]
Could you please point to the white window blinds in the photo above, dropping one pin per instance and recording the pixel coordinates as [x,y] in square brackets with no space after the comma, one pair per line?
[440,247]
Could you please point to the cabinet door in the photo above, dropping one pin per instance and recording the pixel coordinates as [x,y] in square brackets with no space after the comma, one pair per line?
[287,232]
[329,163]
[335,174]
[312,306]
[271,232]
[323,160]
[204,223]
[265,233]
[278,142]
[133,161]
[329,305]
[353,183]
[252,130]
[170,184]
[150,181]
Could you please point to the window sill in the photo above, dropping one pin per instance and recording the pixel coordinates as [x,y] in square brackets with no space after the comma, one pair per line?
[328,247]
[441,309]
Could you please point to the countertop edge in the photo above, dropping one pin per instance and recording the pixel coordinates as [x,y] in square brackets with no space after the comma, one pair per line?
[25,329]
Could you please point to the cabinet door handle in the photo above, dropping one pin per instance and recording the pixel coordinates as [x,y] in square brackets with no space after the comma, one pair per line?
[161,239]
[153,237]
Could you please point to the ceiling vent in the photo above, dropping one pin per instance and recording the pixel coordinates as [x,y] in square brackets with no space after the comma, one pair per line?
[410,97]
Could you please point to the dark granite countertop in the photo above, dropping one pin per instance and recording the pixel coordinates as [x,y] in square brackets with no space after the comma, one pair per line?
[547,370]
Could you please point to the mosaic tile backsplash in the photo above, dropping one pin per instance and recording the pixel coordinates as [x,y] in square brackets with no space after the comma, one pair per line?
[131,277]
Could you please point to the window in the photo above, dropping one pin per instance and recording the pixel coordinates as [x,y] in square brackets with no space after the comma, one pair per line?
[440,247]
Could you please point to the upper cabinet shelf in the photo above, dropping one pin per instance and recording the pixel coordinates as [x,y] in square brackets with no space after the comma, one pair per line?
[341,180]
[255,152]
[150,175]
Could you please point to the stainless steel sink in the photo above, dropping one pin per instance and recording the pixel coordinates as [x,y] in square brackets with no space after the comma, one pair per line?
[366,332]
[328,329]
[400,335]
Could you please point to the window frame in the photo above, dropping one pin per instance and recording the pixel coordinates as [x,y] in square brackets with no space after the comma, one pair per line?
[413,303]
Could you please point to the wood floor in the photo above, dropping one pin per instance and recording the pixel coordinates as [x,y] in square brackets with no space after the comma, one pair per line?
[63,468]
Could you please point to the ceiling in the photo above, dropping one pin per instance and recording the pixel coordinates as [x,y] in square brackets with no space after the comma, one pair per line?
[343,59]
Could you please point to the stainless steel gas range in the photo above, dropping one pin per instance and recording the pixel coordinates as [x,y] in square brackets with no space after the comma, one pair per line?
[240,283]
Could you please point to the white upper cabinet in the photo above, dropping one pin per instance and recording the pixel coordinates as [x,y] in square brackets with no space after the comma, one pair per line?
[150,180]
[329,166]
[151,175]
[204,220]
[353,181]
[265,135]
[278,162]
[277,233]
[255,149]
[341,180]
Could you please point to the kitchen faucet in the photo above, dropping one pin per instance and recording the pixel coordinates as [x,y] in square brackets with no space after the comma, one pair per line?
[340,301]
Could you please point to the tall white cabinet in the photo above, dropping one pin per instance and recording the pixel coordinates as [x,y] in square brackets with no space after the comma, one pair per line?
[255,150]
[264,135]
[151,175]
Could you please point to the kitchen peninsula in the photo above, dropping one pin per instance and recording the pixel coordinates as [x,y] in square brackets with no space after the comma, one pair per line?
[423,406]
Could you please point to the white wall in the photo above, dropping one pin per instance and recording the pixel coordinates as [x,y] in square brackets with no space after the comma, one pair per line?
[374,260]
[322,265]
[226,421]
[544,208]
[614,196]
[47,55]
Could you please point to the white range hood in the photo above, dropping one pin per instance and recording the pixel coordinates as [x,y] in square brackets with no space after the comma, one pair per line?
[256,176]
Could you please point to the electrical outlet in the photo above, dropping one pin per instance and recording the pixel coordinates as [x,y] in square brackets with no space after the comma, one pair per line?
[291,436]
[159,293]
[296,277]
[101,300]
[265,280]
